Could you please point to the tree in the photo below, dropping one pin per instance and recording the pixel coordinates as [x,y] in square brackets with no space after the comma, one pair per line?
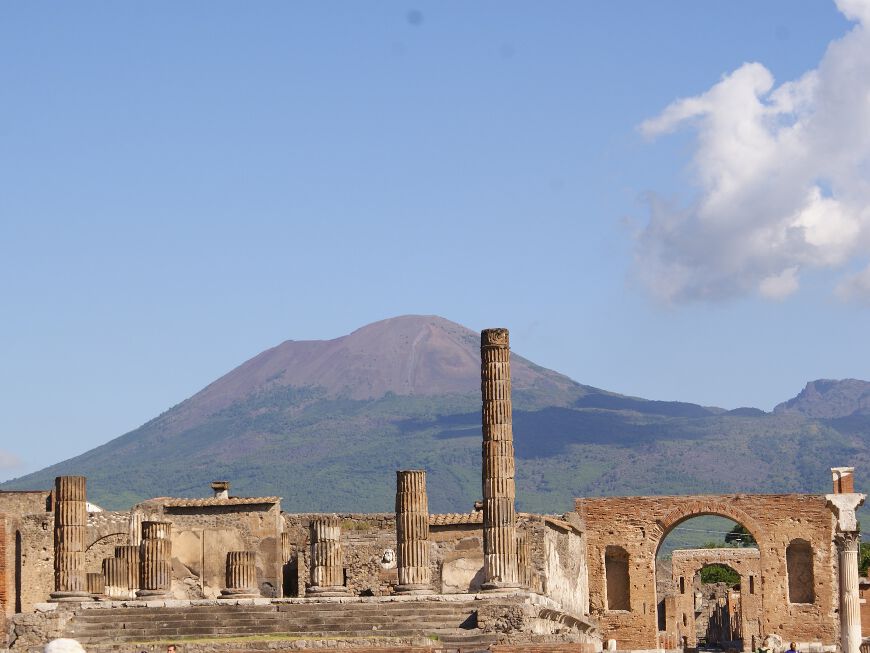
[719,574]
[740,536]
[864,558]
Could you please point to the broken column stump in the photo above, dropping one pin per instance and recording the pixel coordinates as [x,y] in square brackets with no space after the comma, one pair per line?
[156,560]
[327,571]
[70,539]
[241,576]
[412,533]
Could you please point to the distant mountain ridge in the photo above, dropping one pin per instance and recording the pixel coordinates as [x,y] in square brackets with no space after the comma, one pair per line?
[827,398]
[325,424]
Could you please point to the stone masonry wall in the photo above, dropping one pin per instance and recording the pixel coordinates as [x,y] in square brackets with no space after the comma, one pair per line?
[639,524]
[566,579]
[27,516]
[37,558]
[20,503]
[365,539]
[687,564]
[557,555]
[202,536]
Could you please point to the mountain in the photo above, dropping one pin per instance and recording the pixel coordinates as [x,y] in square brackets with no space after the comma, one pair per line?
[826,398]
[325,424]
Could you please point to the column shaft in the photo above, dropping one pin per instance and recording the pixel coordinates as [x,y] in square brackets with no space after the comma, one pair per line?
[116,572]
[850,620]
[70,538]
[327,571]
[241,575]
[500,568]
[155,559]
[96,584]
[412,532]
[131,555]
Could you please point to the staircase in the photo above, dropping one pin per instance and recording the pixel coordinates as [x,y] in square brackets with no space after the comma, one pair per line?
[450,625]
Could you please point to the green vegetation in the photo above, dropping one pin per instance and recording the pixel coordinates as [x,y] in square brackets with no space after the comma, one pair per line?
[719,574]
[337,454]
[740,536]
[864,558]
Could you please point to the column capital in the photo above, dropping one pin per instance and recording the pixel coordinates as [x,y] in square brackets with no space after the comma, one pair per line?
[848,541]
[843,506]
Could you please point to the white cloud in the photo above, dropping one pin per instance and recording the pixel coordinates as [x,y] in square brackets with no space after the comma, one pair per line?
[782,175]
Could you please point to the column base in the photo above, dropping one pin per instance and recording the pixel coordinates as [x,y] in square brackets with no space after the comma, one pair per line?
[236,593]
[70,597]
[316,590]
[152,595]
[413,589]
[499,586]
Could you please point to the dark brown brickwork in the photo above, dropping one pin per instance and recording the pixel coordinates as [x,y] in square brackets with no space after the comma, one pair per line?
[639,524]
[5,577]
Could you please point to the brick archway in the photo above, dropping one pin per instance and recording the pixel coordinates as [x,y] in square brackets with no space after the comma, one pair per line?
[640,523]
[700,508]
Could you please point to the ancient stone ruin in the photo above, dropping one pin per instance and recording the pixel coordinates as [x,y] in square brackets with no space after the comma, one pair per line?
[205,569]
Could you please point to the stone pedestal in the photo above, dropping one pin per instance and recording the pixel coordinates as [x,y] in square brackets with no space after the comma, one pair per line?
[131,555]
[499,516]
[327,571]
[155,560]
[116,571]
[241,575]
[70,539]
[850,618]
[412,533]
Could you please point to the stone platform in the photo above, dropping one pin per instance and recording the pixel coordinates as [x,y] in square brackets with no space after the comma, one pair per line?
[458,622]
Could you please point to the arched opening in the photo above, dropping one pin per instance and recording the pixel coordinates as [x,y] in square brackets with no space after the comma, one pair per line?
[616,575]
[17,583]
[799,567]
[718,607]
[706,566]
[104,547]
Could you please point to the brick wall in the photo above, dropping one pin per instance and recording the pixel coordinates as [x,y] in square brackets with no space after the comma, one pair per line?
[7,590]
[639,524]
[687,564]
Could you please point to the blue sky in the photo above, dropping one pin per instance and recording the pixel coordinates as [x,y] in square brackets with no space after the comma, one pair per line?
[183,185]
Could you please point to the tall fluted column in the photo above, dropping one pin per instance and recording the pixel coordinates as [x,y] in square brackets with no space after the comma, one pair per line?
[499,517]
[327,571]
[850,620]
[156,559]
[132,556]
[412,532]
[241,575]
[116,572]
[70,536]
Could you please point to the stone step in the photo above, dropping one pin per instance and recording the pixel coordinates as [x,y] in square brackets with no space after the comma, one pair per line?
[130,614]
[216,633]
[260,628]
[110,620]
